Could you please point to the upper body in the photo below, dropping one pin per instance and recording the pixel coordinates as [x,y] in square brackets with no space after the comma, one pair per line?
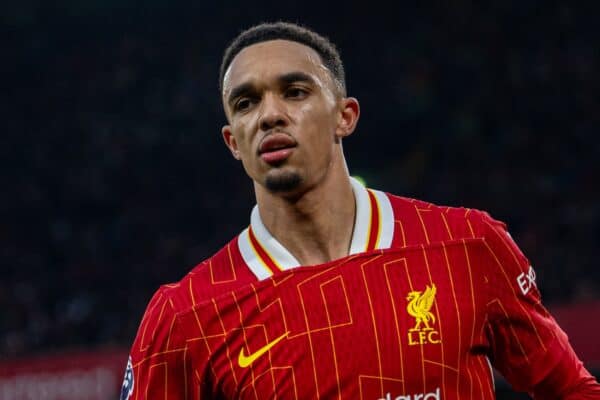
[335,290]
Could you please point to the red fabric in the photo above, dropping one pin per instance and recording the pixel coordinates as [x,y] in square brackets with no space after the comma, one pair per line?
[421,318]
[568,380]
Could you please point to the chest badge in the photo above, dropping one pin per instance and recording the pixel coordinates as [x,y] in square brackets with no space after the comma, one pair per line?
[419,307]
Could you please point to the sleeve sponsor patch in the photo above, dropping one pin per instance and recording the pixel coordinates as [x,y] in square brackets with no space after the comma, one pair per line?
[128,380]
[526,280]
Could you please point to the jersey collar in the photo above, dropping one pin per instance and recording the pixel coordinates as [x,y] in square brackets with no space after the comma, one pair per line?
[373,229]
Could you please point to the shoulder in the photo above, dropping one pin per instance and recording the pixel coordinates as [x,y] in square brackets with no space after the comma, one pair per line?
[492,250]
[422,221]
[222,272]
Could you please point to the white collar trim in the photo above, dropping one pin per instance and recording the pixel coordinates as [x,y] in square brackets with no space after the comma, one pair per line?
[278,257]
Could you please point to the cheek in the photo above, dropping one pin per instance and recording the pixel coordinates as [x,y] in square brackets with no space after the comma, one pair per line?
[242,136]
[320,121]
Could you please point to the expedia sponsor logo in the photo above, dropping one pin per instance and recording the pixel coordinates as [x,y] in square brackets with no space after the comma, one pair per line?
[419,306]
[435,395]
[526,281]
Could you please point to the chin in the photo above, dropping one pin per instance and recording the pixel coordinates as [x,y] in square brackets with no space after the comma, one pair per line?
[283,181]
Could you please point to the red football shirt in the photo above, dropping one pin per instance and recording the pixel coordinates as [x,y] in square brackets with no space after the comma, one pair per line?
[428,299]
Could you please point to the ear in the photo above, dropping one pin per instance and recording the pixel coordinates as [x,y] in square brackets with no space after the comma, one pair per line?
[349,114]
[230,141]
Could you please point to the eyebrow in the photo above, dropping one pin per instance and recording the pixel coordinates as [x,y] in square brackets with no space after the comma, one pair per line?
[293,77]
[286,79]
[239,91]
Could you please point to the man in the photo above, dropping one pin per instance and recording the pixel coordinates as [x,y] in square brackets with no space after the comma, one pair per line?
[336,290]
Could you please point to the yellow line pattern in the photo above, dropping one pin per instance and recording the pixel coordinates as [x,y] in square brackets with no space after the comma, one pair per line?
[401,231]
[421,264]
[511,286]
[439,321]
[472,341]
[150,373]
[376,333]
[335,365]
[243,327]
[185,373]
[458,318]
[512,329]
[397,324]
[485,367]
[149,312]
[227,352]
[446,366]
[158,353]
[423,223]
[447,226]
[471,229]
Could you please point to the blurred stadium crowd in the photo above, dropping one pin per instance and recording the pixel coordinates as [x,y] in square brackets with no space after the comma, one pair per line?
[116,179]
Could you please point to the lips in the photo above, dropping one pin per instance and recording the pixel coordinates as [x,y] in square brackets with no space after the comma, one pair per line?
[276,148]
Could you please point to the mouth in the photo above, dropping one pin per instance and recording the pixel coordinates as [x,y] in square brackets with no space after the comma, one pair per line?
[276,148]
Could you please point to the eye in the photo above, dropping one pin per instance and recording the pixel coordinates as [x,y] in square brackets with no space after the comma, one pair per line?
[243,104]
[295,92]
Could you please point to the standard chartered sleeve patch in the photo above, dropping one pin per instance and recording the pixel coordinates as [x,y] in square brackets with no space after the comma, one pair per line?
[128,380]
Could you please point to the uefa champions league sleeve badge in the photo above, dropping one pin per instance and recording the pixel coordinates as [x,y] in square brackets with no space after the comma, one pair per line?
[127,388]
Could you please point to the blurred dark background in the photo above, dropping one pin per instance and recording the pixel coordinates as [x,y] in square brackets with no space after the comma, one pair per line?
[115,178]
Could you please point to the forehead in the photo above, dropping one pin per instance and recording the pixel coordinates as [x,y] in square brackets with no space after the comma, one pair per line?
[272,58]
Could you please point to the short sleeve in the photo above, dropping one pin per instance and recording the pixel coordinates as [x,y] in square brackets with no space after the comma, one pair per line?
[527,345]
[157,367]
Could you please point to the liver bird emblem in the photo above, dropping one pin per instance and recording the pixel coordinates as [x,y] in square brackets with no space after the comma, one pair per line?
[419,304]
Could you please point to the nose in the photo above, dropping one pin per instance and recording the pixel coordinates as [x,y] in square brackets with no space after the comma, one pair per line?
[273,113]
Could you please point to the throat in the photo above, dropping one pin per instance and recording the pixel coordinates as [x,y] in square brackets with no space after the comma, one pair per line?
[316,239]
[312,251]
[316,226]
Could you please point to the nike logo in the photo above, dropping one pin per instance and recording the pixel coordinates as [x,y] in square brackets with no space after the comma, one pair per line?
[244,361]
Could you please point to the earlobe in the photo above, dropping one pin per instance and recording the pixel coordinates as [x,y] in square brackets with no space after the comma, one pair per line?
[230,141]
[349,114]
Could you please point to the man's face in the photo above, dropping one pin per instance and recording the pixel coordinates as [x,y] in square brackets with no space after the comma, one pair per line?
[284,114]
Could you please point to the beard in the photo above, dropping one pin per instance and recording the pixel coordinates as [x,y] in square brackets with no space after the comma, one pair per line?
[284,181]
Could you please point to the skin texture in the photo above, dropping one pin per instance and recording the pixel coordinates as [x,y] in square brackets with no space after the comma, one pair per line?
[279,94]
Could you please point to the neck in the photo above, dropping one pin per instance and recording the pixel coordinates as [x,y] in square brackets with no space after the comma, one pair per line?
[315,227]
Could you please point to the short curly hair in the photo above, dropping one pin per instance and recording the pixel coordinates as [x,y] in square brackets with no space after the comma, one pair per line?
[287,31]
